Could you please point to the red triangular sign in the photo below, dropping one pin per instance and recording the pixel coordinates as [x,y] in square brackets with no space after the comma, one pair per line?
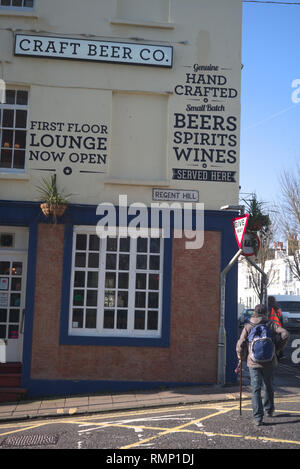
[239,226]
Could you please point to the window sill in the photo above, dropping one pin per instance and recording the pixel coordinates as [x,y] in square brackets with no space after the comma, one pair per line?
[143,24]
[115,341]
[134,182]
[15,176]
[19,13]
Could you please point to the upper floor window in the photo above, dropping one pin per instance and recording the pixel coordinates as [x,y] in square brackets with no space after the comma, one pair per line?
[17,3]
[13,124]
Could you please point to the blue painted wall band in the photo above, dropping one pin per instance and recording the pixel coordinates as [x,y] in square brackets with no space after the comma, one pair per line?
[18,213]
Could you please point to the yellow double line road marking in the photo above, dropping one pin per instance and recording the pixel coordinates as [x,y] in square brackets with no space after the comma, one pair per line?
[178,428]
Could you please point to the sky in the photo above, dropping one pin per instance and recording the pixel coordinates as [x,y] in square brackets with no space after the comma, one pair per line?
[270,120]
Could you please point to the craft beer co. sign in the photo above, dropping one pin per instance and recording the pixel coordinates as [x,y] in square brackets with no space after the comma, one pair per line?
[98,51]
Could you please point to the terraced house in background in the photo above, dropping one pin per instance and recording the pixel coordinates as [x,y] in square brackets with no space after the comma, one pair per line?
[123,100]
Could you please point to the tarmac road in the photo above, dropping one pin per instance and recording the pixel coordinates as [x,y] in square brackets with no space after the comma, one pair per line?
[166,423]
[187,428]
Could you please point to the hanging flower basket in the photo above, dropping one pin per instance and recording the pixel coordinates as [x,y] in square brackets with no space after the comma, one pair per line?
[258,221]
[53,202]
[53,209]
[256,225]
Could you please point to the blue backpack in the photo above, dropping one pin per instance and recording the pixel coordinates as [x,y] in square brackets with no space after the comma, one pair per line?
[261,343]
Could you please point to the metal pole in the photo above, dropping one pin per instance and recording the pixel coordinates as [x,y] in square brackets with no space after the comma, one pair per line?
[265,281]
[222,331]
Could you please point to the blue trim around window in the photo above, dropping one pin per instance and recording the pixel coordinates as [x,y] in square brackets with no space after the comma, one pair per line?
[18,213]
[66,339]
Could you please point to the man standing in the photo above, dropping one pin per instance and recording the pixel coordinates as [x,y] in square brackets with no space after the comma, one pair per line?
[258,341]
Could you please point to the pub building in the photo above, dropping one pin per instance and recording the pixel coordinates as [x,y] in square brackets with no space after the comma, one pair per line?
[131,109]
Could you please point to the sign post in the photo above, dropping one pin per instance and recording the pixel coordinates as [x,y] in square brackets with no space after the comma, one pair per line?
[239,225]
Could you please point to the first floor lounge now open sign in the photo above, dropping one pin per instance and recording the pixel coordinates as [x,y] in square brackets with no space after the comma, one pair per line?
[98,51]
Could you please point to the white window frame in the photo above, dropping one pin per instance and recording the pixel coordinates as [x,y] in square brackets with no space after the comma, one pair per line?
[15,107]
[17,8]
[100,331]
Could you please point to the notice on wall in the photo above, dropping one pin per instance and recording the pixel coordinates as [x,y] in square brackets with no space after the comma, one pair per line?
[3,300]
[206,129]
[4,282]
[69,145]
[91,50]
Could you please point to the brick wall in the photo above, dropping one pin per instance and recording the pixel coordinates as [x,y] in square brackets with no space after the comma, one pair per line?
[192,355]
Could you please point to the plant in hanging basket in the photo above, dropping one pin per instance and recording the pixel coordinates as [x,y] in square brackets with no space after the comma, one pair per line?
[53,202]
[258,220]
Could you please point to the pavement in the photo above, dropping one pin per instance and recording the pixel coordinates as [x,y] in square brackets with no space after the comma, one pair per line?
[96,403]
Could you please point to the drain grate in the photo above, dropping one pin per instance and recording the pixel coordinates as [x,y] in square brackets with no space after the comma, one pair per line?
[30,440]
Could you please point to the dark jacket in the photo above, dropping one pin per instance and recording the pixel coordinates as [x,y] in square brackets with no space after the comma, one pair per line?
[281,337]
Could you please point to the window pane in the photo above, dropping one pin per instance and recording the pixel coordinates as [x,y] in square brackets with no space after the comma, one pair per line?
[124,261]
[16,284]
[109,299]
[4,268]
[154,245]
[10,94]
[125,244]
[152,323]
[3,315]
[13,331]
[28,3]
[8,118]
[94,243]
[152,300]
[123,280]
[80,259]
[20,139]
[17,268]
[14,315]
[110,280]
[109,316]
[2,332]
[7,240]
[79,279]
[81,242]
[78,298]
[154,262]
[153,282]
[111,261]
[91,299]
[77,320]
[15,299]
[112,244]
[6,159]
[92,280]
[142,244]
[19,159]
[140,281]
[21,119]
[17,3]
[7,138]
[139,320]
[123,299]
[140,299]
[141,262]
[94,260]
[91,318]
[122,319]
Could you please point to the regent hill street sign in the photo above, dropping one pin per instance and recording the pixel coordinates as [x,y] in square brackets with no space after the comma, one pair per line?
[98,51]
